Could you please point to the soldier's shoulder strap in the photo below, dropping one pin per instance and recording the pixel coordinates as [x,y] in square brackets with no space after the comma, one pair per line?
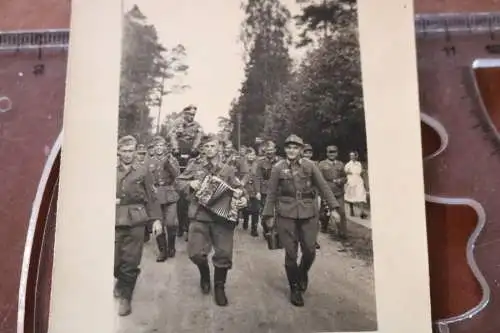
[281,163]
[323,162]
[339,163]
[260,159]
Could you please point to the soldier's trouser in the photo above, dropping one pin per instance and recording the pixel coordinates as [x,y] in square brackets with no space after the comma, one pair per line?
[182,214]
[203,236]
[252,211]
[169,215]
[129,242]
[342,225]
[170,224]
[293,233]
[262,204]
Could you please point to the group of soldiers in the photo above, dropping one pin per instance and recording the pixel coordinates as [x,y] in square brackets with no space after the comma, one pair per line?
[156,185]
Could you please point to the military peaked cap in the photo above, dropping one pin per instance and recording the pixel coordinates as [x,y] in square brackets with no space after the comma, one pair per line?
[294,139]
[190,109]
[308,147]
[127,140]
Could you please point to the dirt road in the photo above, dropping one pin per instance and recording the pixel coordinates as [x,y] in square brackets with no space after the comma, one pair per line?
[168,300]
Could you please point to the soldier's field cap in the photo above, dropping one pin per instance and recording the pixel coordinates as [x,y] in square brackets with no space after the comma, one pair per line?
[159,140]
[294,139]
[211,137]
[141,149]
[127,140]
[332,148]
[190,109]
[270,145]
[308,147]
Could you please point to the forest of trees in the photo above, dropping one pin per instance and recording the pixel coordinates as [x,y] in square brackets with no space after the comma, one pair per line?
[149,71]
[321,99]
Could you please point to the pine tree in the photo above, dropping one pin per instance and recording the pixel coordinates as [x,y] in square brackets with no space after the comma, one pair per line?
[146,66]
[266,39]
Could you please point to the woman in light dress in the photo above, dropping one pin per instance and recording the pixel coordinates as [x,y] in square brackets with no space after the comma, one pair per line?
[355,192]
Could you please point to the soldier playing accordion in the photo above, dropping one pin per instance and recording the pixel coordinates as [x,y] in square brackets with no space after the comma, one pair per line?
[212,225]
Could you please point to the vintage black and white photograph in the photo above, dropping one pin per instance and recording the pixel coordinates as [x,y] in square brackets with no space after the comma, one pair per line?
[242,198]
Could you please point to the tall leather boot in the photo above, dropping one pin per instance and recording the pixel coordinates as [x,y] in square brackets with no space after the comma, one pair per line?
[204,278]
[220,275]
[253,230]
[292,273]
[125,298]
[246,216]
[171,234]
[304,267]
[161,241]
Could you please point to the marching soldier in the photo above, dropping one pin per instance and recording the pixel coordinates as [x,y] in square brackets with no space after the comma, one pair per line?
[135,208]
[263,168]
[186,136]
[252,209]
[165,170]
[207,230]
[291,195]
[333,171]
[141,155]
[185,139]
[151,150]
[308,151]
[141,159]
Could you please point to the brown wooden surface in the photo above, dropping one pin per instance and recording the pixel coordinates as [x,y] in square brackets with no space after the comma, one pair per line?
[437,6]
[488,80]
[468,168]
[26,134]
[34,14]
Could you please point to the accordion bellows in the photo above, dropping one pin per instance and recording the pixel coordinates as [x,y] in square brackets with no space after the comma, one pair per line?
[217,196]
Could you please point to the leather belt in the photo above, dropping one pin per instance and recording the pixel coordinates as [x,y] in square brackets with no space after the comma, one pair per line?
[300,196]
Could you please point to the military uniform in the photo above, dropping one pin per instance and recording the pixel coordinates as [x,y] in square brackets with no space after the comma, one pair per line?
[335,176]
[263,169]
[207,230]
[185,139]
[253,208]
[291,196]
[135,209]
[165,170]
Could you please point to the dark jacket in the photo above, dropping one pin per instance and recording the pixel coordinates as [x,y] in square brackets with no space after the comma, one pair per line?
[334,174]
[292,190]
[198,171]
[135,190]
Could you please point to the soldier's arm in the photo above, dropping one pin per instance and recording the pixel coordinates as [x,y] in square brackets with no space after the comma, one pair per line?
[343,174]
[325,191]
[244,170]
[234,182]
[172,166]
[173,139]
[152,205]
[272,191]
[197,138]
[258,177]
[182,181]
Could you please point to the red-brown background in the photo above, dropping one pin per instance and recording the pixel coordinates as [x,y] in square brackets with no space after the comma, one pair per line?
[26,134]
[35,121]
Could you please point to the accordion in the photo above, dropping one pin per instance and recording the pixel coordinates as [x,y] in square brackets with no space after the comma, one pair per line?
[218,197]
